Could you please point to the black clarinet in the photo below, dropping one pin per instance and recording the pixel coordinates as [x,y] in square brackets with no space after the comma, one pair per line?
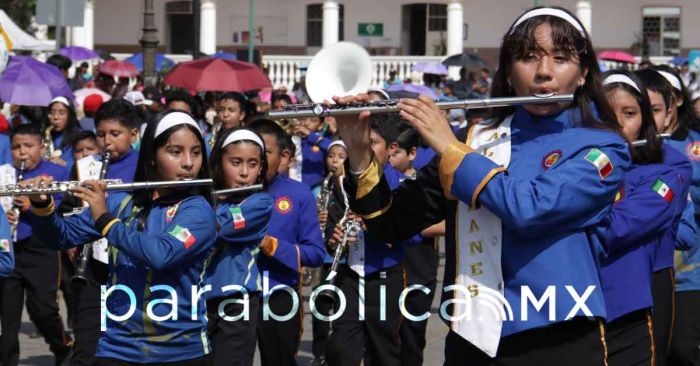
[15,208]
[81,268]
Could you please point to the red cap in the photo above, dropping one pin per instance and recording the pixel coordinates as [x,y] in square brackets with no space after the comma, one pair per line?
[92,103]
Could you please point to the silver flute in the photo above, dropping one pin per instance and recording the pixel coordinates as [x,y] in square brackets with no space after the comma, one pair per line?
[112,185]
[661,136]
[391,106]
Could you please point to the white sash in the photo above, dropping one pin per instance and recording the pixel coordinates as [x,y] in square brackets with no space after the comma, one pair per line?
[478,313]
[89,168]
[7,176]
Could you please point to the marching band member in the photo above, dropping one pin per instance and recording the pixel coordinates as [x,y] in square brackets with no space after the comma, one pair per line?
[7,254]
[64,123]
[159,241]
[293,241]
[230,113]
[669,101]
[646,211]
[116,123]
[238,160]
[37,269]
[518,197]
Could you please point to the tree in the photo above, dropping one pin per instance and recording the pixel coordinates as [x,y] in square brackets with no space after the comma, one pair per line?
[21,12]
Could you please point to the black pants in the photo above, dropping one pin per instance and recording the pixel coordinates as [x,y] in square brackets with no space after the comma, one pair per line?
[279,340]
[232,342]
[685,344]
[420,264]
[36,274]
[67,288]
[375,339]
[201,361]
[86,327]
[578,342]
[662,290]
[630,340]
[321,329]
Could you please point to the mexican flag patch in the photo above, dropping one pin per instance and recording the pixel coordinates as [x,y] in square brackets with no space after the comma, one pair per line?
[185,236]
[600,161]
[238,219]
[4,245]
[663,190]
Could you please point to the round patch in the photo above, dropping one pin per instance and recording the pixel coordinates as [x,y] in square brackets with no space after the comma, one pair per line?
[550,159]
[693,150]
[315,149]
[283,205]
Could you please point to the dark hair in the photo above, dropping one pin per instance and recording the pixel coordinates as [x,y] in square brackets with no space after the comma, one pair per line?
[653,81]
[685,113]
[652,151]
[386,125]
[83,135]
[284,97]
[147,158]
[177,95]
[243,103]
[217,152]
[289,145]
[62,62]
[120,110]
[269,127]
[72,127]
[566,38]
[26,129]
[408,138]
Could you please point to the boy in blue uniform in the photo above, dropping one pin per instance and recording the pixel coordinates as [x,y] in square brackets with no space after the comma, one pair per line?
[293,242]
[116,123]
[36,270]
[314,147]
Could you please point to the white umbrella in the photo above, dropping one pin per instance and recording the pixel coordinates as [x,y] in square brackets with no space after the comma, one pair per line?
[83,93]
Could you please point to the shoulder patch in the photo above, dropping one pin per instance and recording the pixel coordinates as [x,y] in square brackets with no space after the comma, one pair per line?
[284,205]
[184,235]
[238,219]
[693,150]
[600,161]
[551,159]
[170,213]
[5,245]
[663,190]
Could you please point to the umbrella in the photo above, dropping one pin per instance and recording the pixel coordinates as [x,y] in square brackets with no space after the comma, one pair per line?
[162,62]
[468,60]
[412,88]
[225,56]
[122,69]
[77,53]
[27,81]
[83,93]
[679,60]
[617,56]
[430,68]
[215,74]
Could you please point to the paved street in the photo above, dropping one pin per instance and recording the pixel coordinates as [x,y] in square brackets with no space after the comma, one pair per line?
[36,352]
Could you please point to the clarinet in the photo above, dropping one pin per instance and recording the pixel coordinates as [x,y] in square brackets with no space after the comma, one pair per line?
[324,198]
[83,260]
[350,228]
[16,209]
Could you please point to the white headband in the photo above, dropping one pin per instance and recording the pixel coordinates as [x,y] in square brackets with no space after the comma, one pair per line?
[672,79]
[337,143]
[240,135]
[619,78]
[174,119]
[549,11]
[62,100]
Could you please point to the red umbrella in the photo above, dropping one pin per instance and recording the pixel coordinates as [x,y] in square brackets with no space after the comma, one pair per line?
[120,69]
[618,56]
[215,74]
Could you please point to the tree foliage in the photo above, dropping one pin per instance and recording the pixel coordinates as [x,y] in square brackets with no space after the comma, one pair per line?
[21,12]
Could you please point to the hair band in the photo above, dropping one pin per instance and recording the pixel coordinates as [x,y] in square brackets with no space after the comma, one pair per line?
[561,14]
[623,79]
[672,79]
[173,119]
[241,135]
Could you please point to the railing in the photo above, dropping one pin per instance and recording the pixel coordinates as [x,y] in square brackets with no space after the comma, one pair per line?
[287,70]
[656,60]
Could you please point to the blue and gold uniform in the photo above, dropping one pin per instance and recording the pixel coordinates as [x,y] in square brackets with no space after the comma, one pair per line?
[7,254]
[560,180]
[314,148]
[169,249]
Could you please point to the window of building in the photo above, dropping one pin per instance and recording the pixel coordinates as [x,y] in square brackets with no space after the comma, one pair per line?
[662,30]
[437,17]
[314,25]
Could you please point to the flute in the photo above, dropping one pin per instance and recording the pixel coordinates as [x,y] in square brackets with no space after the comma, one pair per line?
[637,143]
[112,185]
[391,106]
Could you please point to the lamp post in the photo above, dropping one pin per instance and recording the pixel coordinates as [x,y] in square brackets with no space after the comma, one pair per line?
[149,42]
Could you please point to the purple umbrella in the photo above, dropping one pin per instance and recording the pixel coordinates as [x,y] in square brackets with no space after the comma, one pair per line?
[413,88]
[30,82]
[77,53]
[430,68]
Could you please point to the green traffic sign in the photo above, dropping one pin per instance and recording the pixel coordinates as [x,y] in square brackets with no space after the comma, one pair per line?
[370,29]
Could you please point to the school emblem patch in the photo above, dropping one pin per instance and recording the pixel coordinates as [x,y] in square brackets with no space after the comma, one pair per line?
[693,150]
[619,195]
[315,149]
[4,245]
[184,235]
[170,214]
[600,161]
[283,205]
[550,159]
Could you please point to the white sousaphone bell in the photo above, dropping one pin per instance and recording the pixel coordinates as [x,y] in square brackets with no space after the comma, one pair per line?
[341,69]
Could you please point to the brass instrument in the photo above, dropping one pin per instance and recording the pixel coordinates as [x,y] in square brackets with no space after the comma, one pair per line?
[49,148]
[351,228]
[81,267]
[391,106]
[15,208]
